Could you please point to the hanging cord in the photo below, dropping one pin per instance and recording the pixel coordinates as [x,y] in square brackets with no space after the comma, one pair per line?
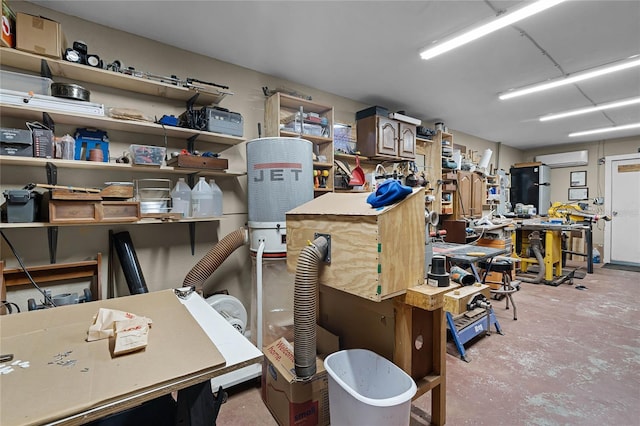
[9,306]
[24,269]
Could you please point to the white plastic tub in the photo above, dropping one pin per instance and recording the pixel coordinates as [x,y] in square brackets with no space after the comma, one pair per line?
[367,389]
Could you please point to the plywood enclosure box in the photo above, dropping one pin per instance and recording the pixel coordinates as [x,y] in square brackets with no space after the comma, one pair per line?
[375,253]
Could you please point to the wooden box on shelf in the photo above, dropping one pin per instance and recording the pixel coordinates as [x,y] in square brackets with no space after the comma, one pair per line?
[78,212]
[198,162]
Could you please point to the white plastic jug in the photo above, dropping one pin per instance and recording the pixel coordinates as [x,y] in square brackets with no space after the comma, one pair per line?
[201,199]
[181,198]
[217,197]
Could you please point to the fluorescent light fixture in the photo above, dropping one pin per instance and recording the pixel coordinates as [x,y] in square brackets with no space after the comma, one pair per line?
[630,62]
[608,105]
[493,25]
[605,130]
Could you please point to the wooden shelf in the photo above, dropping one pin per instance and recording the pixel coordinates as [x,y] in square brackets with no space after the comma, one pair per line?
[294,102]
[322,165]
[30,62]
[322,190]
[107,123]
[319,140]
[146,221]
[421,139]
[6,160]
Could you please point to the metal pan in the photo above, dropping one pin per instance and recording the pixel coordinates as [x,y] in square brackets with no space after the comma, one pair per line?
[70,91]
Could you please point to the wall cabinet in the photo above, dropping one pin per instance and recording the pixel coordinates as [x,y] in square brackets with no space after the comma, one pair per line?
[472,190]
[385,138]
[290,116]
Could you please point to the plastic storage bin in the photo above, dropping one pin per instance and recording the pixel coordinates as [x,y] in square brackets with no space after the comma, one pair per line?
[25,82]
[367,389]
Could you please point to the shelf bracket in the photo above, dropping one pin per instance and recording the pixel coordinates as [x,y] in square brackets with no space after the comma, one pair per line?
[52,232]
[48,122]
[52,174]
[192,100]
[52,236]
[45,71]
[191,178]
[192,237]
[191,143]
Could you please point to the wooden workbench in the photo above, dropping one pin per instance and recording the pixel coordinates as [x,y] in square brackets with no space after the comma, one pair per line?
[189,343]
[408,329]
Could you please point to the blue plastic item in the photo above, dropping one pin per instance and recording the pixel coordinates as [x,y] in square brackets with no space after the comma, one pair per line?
[168,120]
[88,139]
[388,192]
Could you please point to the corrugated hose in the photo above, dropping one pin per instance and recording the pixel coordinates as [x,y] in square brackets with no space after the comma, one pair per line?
[214,258]
[305,302]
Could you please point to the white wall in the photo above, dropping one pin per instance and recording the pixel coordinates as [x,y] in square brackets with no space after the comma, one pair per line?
[595,171]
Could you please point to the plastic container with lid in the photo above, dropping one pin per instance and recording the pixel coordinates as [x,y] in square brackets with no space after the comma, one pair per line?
[181,198]
[217,198]
[201,199]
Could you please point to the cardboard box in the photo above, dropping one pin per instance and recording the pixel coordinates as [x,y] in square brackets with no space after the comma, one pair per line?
[8,38]
[16,142]
[375,253]
[292,402]
[39,35]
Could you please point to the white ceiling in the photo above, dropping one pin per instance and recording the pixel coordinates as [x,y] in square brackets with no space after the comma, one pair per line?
[368,51]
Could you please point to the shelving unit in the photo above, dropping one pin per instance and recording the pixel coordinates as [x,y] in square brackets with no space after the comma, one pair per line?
[433,171]
[281,109]
[110,79]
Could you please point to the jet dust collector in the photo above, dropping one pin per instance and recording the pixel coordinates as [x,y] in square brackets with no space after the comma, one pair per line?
[279,178]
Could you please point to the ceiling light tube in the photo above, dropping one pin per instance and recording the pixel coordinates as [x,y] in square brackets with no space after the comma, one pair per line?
[493,25]
[632,61]
[580,111]
[605,130]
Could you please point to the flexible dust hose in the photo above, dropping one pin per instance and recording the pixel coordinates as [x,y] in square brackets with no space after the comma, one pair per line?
[214,258]
[536,245]
[305,302]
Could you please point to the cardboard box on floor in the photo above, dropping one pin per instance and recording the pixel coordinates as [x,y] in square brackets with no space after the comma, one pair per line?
[292,402]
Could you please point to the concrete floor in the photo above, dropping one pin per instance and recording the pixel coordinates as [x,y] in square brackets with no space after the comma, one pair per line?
[571,358]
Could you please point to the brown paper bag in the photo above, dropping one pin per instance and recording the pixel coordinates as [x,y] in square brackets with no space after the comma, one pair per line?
[130,335]
[102,326]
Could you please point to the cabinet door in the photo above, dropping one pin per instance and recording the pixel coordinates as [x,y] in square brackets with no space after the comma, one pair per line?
[464,195]
[478,194]
[387,136]
[407,143]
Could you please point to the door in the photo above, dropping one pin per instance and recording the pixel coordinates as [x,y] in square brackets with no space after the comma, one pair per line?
[478,194]
[464,195]
[387,136]
[622,197]
[407,146]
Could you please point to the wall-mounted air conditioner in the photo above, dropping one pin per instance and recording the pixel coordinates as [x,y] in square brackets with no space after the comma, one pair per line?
[565,159]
